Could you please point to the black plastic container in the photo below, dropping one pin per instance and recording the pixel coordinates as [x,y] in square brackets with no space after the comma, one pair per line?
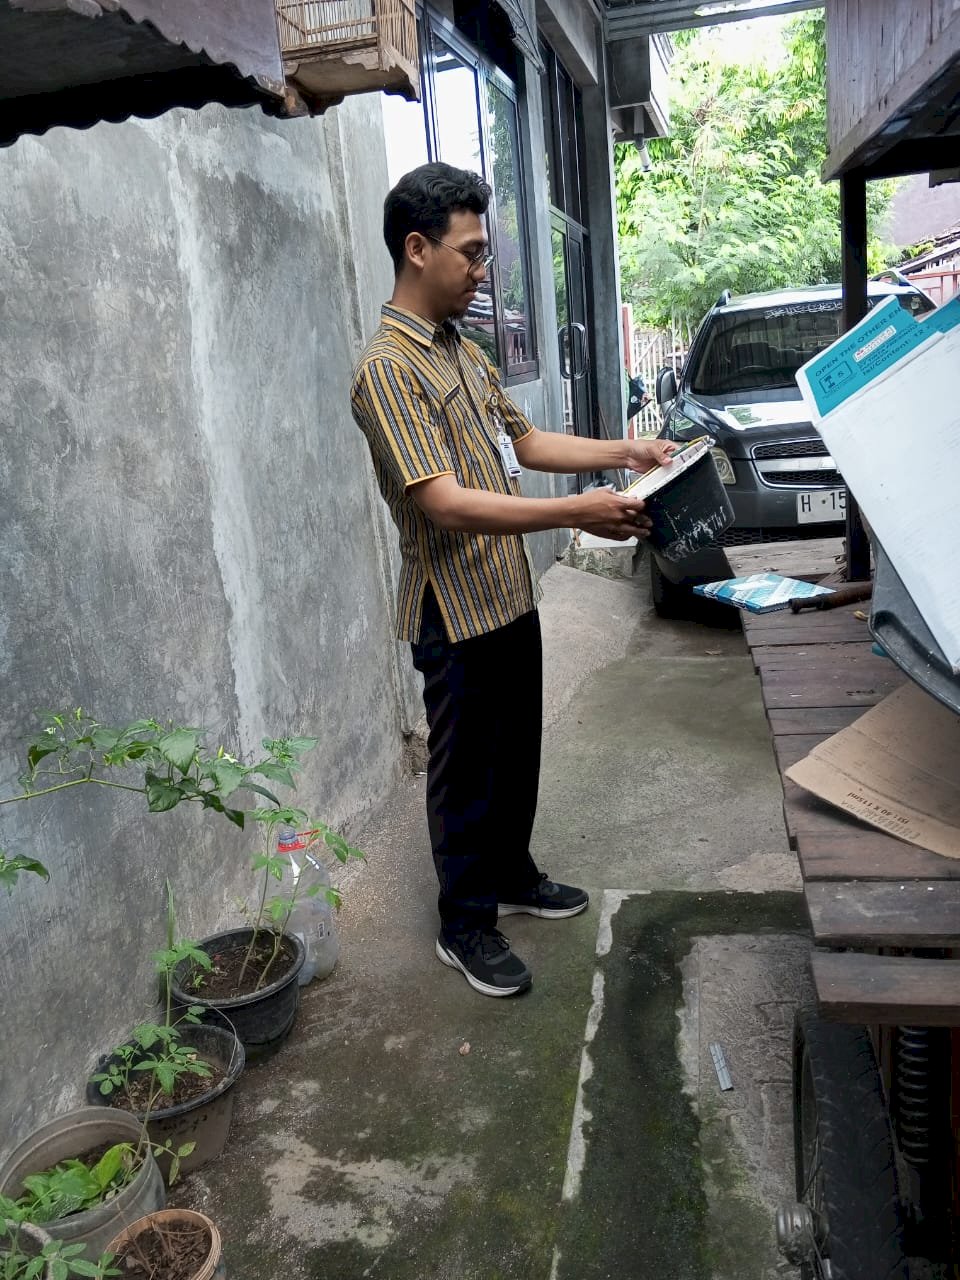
[690,511]
[205,1119]
[263,1019]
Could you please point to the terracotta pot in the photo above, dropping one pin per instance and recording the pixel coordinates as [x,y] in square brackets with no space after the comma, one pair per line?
[212,1267]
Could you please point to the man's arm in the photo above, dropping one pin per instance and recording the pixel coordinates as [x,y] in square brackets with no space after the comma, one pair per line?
[554,451]
[600,511]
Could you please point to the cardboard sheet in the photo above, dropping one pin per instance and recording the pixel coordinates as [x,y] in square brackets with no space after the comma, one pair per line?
[896,768]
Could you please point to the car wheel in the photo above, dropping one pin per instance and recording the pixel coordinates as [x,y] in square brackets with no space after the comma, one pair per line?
[670,599]
[848,1209]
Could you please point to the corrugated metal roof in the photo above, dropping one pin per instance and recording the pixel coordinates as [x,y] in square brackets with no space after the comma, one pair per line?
[78,62]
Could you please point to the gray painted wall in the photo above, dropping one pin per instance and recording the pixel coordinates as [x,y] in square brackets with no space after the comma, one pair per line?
[189,525]
[189,529]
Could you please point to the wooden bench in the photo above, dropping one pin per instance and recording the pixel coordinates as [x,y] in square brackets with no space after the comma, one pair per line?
[867,893]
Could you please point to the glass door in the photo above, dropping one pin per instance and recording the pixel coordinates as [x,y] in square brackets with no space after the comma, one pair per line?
[572,335]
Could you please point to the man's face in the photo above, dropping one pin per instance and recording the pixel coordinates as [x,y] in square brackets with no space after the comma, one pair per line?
[448,276]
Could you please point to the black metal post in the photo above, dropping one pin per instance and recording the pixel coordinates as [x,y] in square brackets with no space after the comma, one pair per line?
[853,236]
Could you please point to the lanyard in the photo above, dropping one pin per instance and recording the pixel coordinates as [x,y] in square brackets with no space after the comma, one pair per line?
[508,455]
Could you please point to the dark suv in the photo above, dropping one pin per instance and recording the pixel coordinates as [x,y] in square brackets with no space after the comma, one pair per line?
[738,385]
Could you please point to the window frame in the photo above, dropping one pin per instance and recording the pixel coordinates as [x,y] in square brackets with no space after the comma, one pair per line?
[431,23]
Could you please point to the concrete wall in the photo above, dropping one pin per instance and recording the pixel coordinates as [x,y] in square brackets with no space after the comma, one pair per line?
[571,27]
[189,526]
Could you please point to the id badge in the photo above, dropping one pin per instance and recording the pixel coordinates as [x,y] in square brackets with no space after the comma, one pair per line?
[508,456]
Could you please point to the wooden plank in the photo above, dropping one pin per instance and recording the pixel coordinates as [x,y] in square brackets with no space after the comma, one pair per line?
[791,747]
[771,656]
[823,720]
[805,812]
[868,913]
[894,990]
[841,633]
[864,854]
[807,558]
[851,686]
[830,626]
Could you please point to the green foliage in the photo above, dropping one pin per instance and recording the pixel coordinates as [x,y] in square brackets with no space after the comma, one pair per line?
[734,200]
[72,1186]
[10,869]
[167,764]
[158,1049]
[22,1259]
[171,761]
[273,913]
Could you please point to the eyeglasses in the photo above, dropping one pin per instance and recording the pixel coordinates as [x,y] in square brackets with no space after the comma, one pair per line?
[484,260]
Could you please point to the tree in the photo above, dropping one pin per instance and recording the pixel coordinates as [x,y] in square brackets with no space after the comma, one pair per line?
[734,200]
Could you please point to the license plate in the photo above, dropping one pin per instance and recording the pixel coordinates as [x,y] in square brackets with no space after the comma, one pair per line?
[819,505]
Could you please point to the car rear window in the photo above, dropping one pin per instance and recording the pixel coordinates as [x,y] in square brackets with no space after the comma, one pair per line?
[762,350]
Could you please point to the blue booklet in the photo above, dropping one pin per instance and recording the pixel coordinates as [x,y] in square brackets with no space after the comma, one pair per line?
[761,592]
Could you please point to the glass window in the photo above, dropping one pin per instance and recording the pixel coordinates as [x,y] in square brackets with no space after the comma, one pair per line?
[456,109]
[406,135]
[511,264]
[762,350]
[563,129]
[469,119]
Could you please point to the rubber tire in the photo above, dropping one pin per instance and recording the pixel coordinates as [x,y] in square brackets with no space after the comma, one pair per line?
[670,599]
[860,1193]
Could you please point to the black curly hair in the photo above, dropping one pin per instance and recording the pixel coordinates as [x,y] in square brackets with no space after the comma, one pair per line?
[423,201]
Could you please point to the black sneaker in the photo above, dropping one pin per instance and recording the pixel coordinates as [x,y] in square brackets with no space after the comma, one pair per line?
[548,900]
[486,961]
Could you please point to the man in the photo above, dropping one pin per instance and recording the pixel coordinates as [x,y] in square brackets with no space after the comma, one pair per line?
[448,447]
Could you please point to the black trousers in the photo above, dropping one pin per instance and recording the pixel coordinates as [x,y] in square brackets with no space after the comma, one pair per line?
[484,704]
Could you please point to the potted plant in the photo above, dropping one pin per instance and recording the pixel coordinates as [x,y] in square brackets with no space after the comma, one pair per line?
[174,1244]
[82,1175]
[183,1092]
[27,1252]
[252,972]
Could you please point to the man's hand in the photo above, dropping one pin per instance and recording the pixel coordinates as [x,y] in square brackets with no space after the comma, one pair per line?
[641,455]
[609,514]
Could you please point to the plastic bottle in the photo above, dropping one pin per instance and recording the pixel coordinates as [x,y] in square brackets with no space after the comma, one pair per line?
[313,918]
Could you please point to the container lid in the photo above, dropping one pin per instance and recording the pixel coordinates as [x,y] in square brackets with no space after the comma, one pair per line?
[657,477]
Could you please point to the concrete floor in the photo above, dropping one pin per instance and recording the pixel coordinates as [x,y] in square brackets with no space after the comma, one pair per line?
[411,1128]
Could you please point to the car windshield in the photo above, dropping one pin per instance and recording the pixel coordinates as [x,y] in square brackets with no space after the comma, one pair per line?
[762,350]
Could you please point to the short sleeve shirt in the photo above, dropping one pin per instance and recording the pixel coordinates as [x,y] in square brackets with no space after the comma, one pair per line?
[430,403]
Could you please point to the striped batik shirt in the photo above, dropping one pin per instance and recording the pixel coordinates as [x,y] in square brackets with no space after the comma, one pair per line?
[428,402]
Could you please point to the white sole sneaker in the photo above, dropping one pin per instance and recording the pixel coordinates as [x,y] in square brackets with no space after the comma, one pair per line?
[544,913]
[485,988]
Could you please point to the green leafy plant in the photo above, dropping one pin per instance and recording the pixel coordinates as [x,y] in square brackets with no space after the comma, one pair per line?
[733,197]
[21,1258]
[167,764]
[273,911]
[156,1049]
[10,869]
[72,1186]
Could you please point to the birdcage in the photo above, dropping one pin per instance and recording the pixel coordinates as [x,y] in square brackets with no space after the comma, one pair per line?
[335,47]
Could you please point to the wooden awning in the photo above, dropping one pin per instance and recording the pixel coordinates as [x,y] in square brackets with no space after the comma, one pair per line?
[893,87]
[76,62]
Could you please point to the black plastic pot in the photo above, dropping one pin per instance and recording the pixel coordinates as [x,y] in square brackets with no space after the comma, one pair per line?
[205,1119]
[690,511]
[263,1019]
